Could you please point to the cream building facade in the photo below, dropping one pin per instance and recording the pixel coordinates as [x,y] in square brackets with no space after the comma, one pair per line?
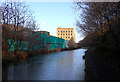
[66,33]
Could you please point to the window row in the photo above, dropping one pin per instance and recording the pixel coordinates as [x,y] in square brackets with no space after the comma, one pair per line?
[64,31]
[64,34]
[66,37]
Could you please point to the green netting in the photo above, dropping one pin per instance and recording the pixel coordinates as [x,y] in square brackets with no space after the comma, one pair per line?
[11,44]
[19,45]
[66,44]
[56,42]
[40,42]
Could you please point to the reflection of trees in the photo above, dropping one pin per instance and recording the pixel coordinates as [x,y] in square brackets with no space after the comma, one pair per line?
[5,72]
[27,69]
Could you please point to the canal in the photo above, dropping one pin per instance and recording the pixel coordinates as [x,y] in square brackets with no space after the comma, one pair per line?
[65,65]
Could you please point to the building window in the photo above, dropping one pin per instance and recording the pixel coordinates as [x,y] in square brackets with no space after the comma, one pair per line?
[71,34]
[66,31]
[66,34]
[66,37]
[58,34]
[61,34]
[71,31]
[61,31]
[58,31]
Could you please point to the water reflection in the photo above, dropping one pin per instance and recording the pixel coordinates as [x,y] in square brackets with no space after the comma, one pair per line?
[65,65]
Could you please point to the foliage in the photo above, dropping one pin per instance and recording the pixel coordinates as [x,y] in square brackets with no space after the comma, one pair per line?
[101,25]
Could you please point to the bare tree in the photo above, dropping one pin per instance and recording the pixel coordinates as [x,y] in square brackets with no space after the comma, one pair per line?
[101,20]
[15,16]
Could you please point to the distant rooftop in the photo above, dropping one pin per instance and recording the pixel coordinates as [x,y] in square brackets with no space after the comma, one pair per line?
[64,28]
[44,32]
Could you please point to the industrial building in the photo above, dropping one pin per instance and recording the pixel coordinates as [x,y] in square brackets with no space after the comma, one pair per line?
[41,40]
[66,33]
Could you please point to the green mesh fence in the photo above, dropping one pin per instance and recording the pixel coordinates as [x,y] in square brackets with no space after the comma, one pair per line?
[19,45]
[38,41]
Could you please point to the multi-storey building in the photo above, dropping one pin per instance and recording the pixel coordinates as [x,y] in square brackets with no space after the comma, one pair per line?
[66,33]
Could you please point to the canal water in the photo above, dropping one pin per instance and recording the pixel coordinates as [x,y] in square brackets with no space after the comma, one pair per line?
[65,65]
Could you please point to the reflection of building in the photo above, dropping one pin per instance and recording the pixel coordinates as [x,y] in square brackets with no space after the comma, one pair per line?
[66,33]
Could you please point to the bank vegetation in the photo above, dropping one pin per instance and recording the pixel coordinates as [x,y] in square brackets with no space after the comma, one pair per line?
[17,21]
[100,26]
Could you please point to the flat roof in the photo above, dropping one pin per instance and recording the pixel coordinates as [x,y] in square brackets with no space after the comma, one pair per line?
[65,28]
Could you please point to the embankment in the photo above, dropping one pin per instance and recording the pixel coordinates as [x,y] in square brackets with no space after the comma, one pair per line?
[99,67]
[23,55]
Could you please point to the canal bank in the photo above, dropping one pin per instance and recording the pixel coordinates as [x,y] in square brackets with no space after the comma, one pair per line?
[23,55]
[99,67]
